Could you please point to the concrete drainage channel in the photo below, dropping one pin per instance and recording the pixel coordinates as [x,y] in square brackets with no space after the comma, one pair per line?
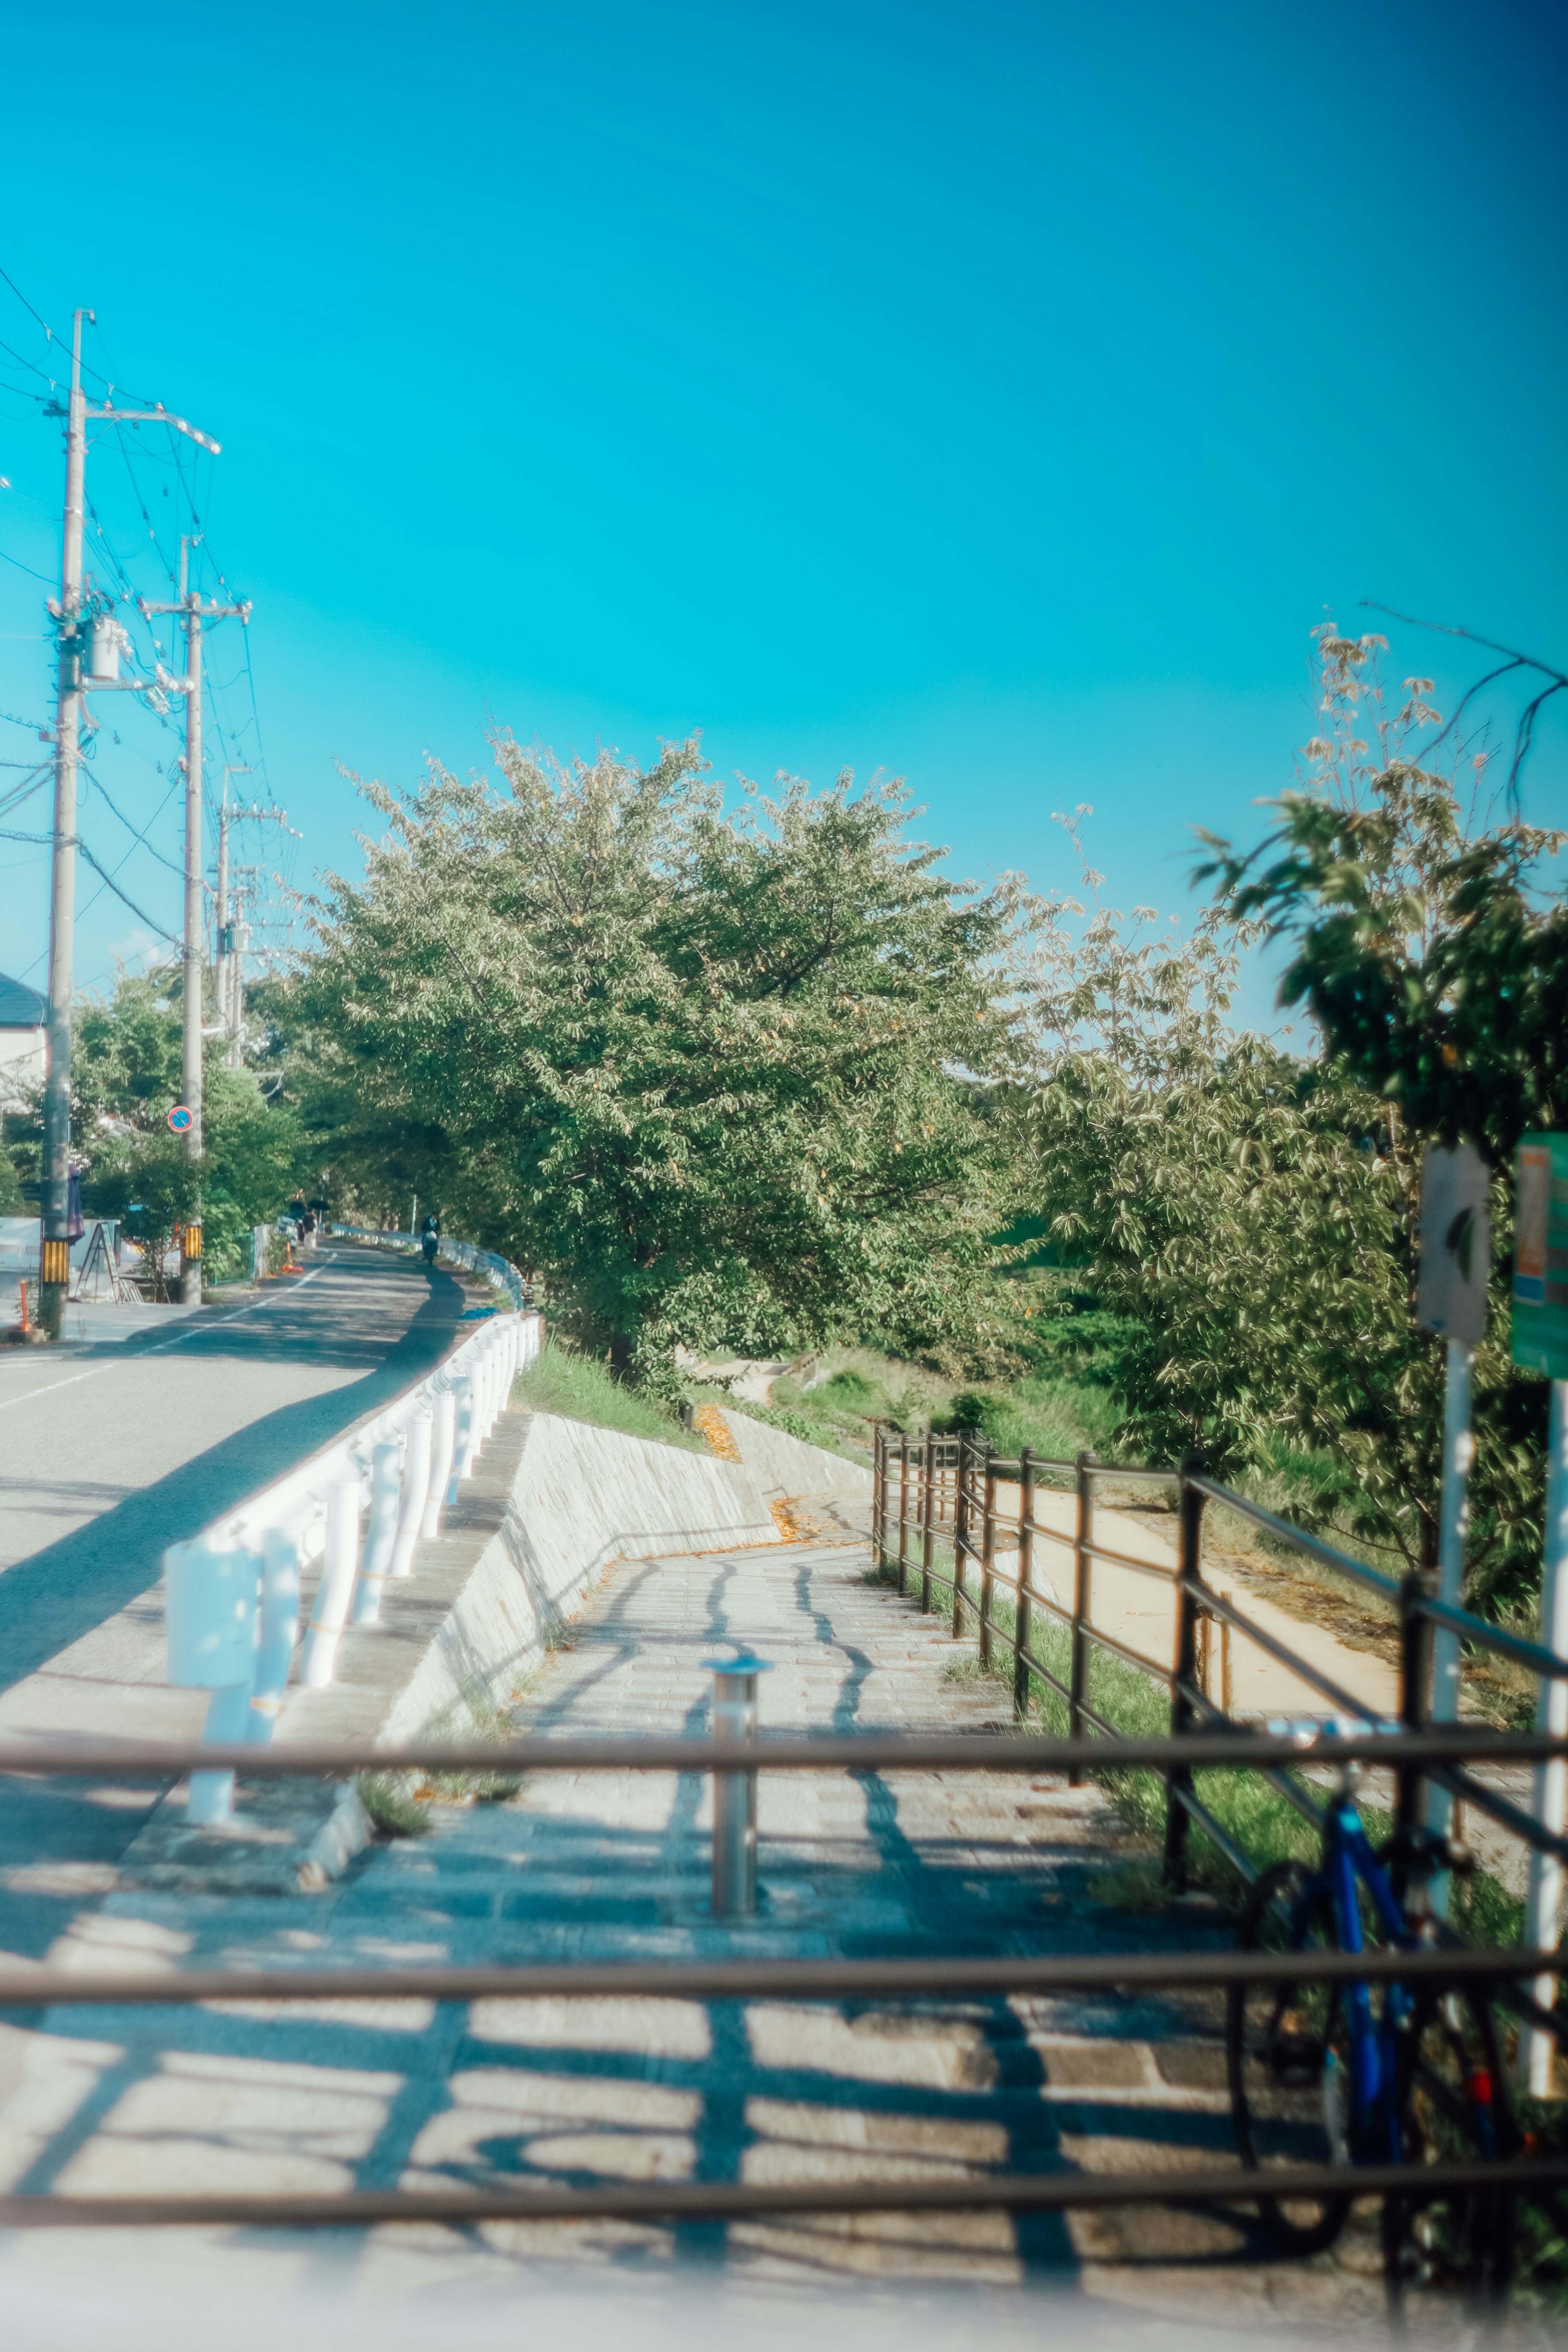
[432,1553]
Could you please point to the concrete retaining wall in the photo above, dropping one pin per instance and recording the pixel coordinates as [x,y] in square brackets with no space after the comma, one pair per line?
[555,1504]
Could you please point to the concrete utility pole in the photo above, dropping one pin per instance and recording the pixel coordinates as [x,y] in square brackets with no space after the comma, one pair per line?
[54,1268]
[221,970]
[195,612]
[233,935]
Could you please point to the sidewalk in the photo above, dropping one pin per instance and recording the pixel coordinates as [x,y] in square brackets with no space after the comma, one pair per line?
[573,2090]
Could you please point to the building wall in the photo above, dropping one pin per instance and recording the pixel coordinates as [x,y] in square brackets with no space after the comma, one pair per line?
[22,1062]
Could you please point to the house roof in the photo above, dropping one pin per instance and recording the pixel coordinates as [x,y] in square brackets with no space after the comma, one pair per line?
[21,1007]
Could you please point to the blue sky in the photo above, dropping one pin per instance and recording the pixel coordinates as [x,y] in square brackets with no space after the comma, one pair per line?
[996,394]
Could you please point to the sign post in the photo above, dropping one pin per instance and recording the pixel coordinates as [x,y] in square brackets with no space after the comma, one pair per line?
[1541,1345]
[1451,1300]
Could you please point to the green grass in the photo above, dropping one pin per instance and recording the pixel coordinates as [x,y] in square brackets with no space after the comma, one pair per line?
[579,1389]
[1250,1810]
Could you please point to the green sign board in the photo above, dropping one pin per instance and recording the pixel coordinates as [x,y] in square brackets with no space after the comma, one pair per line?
[1540,1255]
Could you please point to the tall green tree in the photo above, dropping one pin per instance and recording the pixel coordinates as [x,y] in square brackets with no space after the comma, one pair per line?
[126,1075]
[1249,1216]
[1422,940]
[711,1075]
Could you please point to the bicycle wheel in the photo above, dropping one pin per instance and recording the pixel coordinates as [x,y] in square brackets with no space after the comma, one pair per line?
[1455,2107]
[1287,2057]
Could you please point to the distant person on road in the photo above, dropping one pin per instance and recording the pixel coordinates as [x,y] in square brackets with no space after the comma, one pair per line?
[430,1235]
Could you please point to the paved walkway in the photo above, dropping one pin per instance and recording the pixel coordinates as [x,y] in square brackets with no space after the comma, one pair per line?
[576,2091]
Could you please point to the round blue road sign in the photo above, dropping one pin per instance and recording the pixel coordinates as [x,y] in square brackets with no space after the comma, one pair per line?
[179,1119]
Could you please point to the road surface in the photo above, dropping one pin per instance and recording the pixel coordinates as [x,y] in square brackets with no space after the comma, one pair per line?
[109,1453]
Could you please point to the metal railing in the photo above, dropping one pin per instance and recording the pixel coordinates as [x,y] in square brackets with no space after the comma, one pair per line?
[498,1271]
[953,1486]
[41,1987]
[231,1593]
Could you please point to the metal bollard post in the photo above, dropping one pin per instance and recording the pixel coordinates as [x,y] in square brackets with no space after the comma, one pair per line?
[735,1793]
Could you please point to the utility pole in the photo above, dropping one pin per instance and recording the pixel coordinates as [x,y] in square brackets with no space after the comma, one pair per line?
[54,1269]
[221,968]
[195,612]
[233,935]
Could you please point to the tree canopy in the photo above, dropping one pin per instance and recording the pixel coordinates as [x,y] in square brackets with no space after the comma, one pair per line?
[714,1076]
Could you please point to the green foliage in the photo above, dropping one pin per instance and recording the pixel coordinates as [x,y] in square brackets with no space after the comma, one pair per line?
[1417,940]
[579,1388]
[125,1078]
[1249,1224]
[705,1074]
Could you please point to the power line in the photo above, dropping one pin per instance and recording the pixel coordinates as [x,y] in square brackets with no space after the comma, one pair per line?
[97,781]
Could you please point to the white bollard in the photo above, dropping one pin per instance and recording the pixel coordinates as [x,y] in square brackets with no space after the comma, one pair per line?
[381,1531]
[211,1799]
[463,1433]
[416,1487]
[340,1561]
[443,1437]
[209,1618]
[280,1632]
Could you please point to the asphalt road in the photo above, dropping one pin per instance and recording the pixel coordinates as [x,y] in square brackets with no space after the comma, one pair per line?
[109,1453]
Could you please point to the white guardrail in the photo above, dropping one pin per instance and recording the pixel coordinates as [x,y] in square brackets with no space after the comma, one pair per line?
[232,1595]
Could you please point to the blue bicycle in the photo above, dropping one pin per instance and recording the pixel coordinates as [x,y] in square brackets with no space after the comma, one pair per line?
[1335,2075]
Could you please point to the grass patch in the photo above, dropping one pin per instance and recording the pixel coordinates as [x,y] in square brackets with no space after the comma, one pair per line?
[1249,1809]
[577,1388]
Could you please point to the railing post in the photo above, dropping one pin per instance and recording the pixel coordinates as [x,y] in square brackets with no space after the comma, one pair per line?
[878,1471]
[380,1532]
[1414,1706]
[903,1507]
[1082,1568]
[988,1559]
[277,1631]
[734,1895]
[415,1487]
[1190,1565]
[960,1501]
[928,1520]
[1025,1574]
[443,1439]
[340,1562]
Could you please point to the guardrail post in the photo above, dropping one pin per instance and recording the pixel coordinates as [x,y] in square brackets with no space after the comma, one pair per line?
[415,1487]
[339,1563]
[443,1438]
[928,1520]
[381,1531]
[209,1620]
[1190,1565]
[903,1508]
[463,1448]
[1025,1574]
[988,1558]
[1082,1570]
[734,1712]
[279,1629]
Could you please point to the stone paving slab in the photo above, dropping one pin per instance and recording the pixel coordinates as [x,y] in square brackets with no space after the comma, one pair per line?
[614,1867]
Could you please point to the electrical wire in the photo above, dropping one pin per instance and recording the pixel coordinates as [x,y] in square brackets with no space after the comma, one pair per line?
[97,782]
